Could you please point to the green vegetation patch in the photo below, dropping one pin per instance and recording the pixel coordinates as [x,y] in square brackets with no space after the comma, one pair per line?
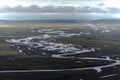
[90,42]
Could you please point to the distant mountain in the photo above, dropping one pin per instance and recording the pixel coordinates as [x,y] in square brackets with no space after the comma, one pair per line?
[108,21]
[63,21]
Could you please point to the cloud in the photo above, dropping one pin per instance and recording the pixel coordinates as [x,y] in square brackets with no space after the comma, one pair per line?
[52,9]
[101,4]
[113,10]
[57,6]
[88,9]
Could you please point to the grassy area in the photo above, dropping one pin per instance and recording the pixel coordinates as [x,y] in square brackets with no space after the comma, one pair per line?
[71,75]
[9,33]
[5,50]
[21,63]
[14,31]
[90,42]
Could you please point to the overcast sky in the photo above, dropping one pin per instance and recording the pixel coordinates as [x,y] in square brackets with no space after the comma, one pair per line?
[60,6]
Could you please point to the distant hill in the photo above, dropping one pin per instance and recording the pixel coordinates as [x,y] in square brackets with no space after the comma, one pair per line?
[106,21]
[63,21]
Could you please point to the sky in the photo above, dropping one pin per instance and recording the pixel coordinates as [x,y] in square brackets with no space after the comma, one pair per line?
[59,6]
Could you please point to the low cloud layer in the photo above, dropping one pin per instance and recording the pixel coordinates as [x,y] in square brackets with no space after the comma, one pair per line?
[58,9]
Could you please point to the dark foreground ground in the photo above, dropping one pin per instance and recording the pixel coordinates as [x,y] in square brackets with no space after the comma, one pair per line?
[73,75]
